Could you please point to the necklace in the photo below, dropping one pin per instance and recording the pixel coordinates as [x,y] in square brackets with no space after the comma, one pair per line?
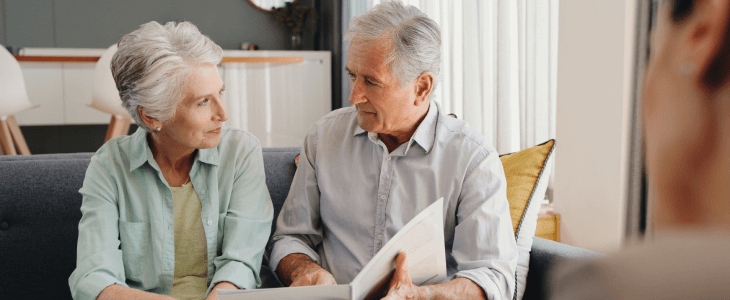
[186,182]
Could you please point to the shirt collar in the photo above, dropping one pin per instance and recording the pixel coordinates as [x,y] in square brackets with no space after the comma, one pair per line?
[140,152]
[425,134]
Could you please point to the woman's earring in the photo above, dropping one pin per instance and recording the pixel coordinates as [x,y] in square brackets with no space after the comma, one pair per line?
[158,129]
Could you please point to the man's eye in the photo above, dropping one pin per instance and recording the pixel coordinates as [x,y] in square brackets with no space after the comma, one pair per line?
[369,82]
[204,102]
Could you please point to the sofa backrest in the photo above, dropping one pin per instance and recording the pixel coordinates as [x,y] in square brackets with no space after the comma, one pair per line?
[40,212]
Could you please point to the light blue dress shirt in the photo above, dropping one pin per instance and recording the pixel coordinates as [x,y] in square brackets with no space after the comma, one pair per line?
[349,196]
[126,233]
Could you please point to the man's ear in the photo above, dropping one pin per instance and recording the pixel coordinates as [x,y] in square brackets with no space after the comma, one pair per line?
[149,121]
[423,86]
[707,37]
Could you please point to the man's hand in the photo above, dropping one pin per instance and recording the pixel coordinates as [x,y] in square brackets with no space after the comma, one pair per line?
[223,285]
[313,275]
[401,286]
[299,270]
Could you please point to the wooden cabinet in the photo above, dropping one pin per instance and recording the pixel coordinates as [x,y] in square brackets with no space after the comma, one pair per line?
[275,95]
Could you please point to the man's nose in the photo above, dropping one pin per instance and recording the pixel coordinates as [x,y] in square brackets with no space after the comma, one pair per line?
[357,94]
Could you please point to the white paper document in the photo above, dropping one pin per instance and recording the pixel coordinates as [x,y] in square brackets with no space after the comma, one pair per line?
[422,239]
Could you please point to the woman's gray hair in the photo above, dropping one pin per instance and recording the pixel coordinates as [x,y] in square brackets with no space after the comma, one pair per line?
[415,38]
[152,65]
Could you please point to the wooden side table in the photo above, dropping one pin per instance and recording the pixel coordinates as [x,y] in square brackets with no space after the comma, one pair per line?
[548,224]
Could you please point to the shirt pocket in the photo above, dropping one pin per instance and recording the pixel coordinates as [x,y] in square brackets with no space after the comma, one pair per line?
[135,240]
[221,224]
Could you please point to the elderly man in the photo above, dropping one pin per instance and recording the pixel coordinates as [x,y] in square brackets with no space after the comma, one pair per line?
[367,170]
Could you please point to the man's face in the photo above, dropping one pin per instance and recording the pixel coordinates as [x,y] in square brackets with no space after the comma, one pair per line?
[383,106]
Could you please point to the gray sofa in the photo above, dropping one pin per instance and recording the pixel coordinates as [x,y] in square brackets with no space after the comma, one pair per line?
[39,215]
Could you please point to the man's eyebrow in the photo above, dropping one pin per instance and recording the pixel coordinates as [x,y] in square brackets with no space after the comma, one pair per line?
[348,70]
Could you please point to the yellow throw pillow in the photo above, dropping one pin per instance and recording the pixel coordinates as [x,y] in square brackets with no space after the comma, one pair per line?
[527,174]
[523,170]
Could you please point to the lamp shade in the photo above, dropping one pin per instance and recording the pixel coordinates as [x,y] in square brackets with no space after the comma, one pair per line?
[105,96]
[13,96]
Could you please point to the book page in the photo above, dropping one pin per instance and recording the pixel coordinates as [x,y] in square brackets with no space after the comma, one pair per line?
[319,292]
[423,241]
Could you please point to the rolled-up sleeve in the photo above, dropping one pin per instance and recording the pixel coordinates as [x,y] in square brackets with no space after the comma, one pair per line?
[484,243]
[98,260]
[247,225]
[298,228]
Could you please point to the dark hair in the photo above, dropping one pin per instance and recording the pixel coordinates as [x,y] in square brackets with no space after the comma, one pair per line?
[681,9]
[719,69]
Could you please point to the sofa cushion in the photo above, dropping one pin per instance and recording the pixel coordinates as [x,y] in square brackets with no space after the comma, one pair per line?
[39,219]
[280,168]
[527,174]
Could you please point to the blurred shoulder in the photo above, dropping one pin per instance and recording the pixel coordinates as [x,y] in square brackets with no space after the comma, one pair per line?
[235,141]
[336,124]
[457,135]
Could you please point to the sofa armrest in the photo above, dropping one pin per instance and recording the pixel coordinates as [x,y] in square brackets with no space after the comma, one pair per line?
[544,257]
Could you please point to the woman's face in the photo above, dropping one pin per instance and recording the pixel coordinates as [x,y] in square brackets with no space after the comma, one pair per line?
[677,122]
[201,112]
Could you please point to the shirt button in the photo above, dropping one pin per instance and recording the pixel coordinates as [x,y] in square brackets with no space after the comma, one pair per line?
[380,237]
[202,192]
[210,222]
[382,197]
[388,158]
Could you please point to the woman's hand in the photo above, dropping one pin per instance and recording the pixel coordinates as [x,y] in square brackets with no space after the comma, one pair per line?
[223,285]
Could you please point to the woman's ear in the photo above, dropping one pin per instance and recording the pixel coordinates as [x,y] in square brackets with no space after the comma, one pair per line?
[707,39]
[149,121]
[423,86]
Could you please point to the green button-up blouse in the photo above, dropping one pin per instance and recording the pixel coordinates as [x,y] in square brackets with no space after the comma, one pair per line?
[126,233]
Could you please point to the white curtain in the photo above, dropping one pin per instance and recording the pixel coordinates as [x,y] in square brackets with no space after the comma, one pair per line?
[498,70]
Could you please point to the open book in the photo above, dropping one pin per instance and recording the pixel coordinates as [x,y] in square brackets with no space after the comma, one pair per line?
[422,239]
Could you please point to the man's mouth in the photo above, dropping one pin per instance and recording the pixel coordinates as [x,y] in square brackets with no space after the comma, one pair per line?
[365,111]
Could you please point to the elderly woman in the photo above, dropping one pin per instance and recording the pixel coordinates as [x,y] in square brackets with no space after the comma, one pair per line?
[180,207]
[686,110]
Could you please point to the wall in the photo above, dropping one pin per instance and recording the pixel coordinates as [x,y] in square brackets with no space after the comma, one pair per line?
[595,56]
[100,23]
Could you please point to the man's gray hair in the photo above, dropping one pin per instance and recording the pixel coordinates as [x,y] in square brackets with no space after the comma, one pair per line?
[415,39]
[152,66]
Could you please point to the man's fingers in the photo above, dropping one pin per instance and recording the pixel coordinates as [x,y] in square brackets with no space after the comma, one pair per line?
[402,276]
[324,278]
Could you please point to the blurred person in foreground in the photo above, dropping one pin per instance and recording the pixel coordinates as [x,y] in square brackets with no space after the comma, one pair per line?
[686,112]
[181,206]
[366,170]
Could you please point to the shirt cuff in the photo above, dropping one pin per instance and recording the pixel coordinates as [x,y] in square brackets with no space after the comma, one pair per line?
[236,273]
[91,286]
[287,245]
[96,273]
[491,290]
